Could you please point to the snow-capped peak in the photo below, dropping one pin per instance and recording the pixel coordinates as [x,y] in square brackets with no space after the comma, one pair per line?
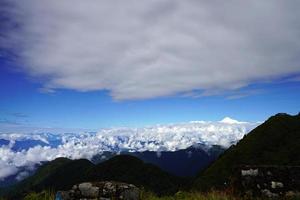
[228,120]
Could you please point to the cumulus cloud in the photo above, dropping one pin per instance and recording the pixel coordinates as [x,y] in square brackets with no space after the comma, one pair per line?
[144,49]
[85,145]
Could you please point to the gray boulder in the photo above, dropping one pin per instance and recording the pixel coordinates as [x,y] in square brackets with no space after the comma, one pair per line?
[105,190]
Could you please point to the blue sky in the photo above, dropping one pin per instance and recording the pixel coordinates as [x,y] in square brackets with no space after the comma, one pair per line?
[73,69]
[22,102]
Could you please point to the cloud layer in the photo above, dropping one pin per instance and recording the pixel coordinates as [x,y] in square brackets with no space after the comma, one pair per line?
[144,49]
[38,147]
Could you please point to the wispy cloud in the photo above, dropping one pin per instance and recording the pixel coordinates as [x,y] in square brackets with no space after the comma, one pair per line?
[8,121]
[46,90]
[144,49]
[19,115]
[294,79]
[12,119]
[243,94]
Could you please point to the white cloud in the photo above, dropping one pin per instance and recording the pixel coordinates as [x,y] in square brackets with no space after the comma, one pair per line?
[22,175]
[144,49]
[85,145]
[6,170]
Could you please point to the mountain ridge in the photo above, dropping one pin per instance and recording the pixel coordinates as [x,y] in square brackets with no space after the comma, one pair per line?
[63,173]
[275,142]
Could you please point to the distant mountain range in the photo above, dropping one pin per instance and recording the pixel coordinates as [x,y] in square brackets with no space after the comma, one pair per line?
[275,142]
[184,163]
[22,153]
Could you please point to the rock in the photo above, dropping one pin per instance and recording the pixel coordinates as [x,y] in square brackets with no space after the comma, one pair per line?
[268,180]
[88,190]
[275,184]
[249,172]
[269,194]
[106,190]
[130,194]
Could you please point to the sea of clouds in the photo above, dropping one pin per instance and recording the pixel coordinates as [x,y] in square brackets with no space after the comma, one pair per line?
[25,150]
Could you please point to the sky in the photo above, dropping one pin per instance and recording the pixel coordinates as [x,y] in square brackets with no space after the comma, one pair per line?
[87,65]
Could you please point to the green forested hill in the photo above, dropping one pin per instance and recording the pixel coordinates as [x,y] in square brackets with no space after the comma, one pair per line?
[62,174]
[275,142]
[130,169]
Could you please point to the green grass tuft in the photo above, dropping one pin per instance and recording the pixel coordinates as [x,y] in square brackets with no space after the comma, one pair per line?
[44,195]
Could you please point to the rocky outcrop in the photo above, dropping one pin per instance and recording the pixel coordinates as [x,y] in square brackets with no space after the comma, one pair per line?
[269,181]
[100,190]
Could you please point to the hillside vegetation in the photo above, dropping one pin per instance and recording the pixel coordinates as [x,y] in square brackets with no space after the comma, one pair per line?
[212,195]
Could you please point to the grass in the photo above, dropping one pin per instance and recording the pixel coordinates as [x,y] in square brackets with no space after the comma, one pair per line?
[44,195]
[145,195]
[190,196]
[213,195]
